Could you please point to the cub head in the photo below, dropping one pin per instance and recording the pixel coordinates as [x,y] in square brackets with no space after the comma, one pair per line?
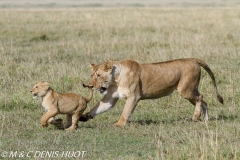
[40,89]
[101,76]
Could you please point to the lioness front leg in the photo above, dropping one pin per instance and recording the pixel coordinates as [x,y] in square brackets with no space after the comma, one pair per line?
[127,111]
[105,104]
[46,117]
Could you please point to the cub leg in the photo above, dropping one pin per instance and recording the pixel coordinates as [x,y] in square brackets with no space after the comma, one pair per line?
[56,122]
[52,120]
[75,118]
[47,116]
[69,121]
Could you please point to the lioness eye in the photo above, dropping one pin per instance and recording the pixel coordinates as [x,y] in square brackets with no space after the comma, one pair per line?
[36,87]
[98,75]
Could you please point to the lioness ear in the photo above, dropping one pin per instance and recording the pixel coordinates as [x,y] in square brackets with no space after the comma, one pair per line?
[108,65]
[93,66]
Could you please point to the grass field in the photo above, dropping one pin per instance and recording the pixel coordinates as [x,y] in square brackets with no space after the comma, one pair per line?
[57,45]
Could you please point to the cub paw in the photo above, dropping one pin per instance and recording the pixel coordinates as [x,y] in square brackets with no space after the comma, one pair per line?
[58,123]
[70,128]
[45,125]
[119,124]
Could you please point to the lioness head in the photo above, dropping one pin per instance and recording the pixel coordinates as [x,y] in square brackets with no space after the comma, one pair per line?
[101,76]
[40,89]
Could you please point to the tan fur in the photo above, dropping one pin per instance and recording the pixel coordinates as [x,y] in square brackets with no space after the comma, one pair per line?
[133,81]
[54,103]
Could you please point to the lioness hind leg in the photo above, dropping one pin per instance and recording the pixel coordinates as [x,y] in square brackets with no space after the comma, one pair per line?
[205,110]
[200,106]
[197,100]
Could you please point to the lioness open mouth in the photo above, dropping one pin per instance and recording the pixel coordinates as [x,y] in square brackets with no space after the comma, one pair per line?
[102,89]
[35,95]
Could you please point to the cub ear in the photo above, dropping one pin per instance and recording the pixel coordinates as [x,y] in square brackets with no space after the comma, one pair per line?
[93,66]
[108,66]
[47,84]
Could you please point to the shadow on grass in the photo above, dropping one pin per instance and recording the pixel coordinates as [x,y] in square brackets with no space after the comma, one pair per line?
[184,120]
[145,122]
[224,117]
[163,121]
[55,127]
[42,37]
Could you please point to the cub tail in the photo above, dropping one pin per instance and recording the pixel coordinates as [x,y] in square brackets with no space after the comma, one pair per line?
[91,92]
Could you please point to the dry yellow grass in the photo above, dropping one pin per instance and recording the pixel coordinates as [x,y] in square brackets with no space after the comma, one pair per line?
[58,45]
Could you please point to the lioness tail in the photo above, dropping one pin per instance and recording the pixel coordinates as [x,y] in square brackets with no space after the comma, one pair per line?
[206,67]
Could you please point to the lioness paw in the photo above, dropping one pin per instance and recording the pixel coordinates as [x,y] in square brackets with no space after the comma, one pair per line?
[85,118]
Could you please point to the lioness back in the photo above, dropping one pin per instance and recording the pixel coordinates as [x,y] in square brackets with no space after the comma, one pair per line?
[160,79]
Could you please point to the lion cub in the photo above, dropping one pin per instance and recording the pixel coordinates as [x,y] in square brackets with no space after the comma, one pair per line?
[54,103]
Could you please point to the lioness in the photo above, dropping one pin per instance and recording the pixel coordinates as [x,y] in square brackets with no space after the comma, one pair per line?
[54,103]
[133,81]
